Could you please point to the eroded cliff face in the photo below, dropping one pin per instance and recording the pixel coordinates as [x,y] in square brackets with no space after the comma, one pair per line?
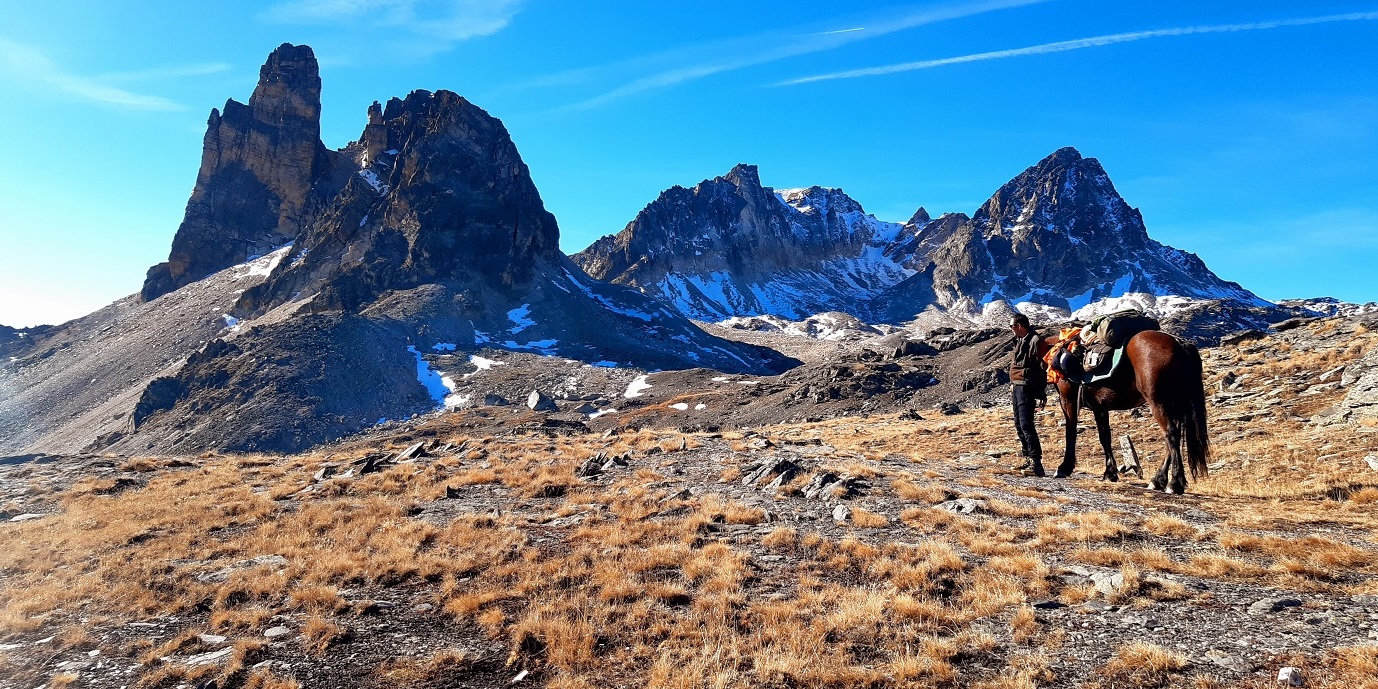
[437,194]
[263,172]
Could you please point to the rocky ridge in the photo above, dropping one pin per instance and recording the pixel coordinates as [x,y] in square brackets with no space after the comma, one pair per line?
[1056,242]
[732,247]
[423,238]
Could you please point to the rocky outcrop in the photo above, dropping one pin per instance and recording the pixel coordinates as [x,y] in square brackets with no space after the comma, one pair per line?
[263,171]
[732,247]
[438,194]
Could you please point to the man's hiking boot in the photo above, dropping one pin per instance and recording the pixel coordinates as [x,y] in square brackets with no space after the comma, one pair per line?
[1023,465]
[1035,469]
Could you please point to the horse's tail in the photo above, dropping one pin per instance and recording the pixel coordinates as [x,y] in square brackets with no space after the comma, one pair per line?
[1198,442]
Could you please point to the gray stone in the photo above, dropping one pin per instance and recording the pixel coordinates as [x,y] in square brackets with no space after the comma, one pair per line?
[1096,606]
[273,561]
[539,401]
[1291,677]
[416,450]
[1229,662]
[423,607]
[964,505]
[1372,462]
[214,657]
[25,517]
[592,466]
[211,639]
[276,632]
[1108,583]
[842,513]
[783,467]
[1271,605]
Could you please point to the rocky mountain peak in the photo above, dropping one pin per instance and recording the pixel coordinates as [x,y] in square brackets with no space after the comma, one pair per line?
[263,168]
[744,175]
[919,218]
[289,87]
[719,249]
[439,195]
[1060,236]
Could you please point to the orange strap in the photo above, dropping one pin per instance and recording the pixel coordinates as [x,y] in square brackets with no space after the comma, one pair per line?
[1065,340]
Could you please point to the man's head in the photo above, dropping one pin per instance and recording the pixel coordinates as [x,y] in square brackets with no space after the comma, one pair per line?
[1019,324]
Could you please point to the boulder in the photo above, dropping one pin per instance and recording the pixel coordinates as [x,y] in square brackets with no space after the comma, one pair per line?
[539,401]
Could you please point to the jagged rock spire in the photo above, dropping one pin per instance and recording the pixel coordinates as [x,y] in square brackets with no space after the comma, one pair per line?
[259,164]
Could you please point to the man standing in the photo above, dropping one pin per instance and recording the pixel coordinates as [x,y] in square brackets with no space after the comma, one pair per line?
[1029,383]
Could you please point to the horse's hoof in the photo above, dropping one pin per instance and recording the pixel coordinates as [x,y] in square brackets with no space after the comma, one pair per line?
[1061,474]
[1113,478]
[1178,490]
[1153,485]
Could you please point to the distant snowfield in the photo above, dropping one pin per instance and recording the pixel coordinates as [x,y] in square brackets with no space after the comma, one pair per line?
[262,265]
[636,387]
[482,364]
[440,387]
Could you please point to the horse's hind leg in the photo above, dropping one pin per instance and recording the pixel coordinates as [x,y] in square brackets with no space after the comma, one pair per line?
[1160,479]
[1178,483]
[1112,472]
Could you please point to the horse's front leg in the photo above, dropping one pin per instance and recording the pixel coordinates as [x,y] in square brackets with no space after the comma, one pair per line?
[1068,398]
[1112,472]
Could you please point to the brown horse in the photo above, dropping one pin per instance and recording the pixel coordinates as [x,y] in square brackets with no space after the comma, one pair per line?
[1162,372]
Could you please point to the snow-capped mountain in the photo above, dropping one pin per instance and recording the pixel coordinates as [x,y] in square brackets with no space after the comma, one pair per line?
[1059,238]
[732,247]
[1057,241]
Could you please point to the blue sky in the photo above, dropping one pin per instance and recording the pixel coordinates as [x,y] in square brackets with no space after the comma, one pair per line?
[1246,132]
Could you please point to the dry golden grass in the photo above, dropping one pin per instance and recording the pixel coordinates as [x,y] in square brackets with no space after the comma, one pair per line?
[1170,527]
[716,509]
[867,519]
[64,679]
[419,671]
[931,493]
[1024,625]
[319,634]
[1354,667]
[640,592]
[1142,665]
[1083,528]
[262,679]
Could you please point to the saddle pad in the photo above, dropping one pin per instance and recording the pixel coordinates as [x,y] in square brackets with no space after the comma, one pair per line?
[1115,357]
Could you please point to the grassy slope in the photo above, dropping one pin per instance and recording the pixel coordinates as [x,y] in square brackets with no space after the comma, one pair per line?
[626,581]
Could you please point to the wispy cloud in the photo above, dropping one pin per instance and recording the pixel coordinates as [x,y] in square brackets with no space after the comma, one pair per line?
[747,52]
[27,63]
[443,20]
[171,72]
[1077,44]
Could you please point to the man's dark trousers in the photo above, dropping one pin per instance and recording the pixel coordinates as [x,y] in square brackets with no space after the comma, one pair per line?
[1024,423]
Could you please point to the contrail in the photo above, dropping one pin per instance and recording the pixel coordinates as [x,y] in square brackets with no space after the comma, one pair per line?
[1077,44]
[801,45]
